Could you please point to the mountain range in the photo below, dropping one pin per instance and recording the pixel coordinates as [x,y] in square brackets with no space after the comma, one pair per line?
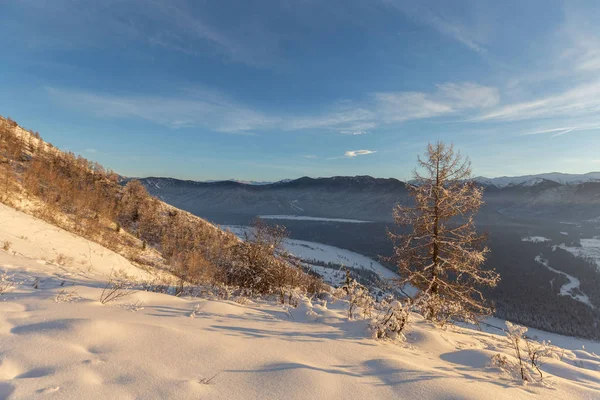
[558,177]
[502,181]
[570,198]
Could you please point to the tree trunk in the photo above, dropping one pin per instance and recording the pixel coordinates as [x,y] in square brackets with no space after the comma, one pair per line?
[436,222]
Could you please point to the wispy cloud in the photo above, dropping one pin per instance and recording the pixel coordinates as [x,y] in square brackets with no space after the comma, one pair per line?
[310,156]
[176,25]
[578,101]
[555,132]
[389,108]
[355,153]
[566,88]
[581,48]
[215,111]
[449,98]
[353,133]
[455,30]
[468,95]
[346,117]
[204,109]
[436,18]
[186,29]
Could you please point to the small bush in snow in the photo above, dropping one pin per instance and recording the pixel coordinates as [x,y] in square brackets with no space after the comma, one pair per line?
[391,321]
[224,291]
[359,298]
[501,361]
[261,265]
[537,353]
[443,311]
[156,286]
[516,335]
[116,288]
[195,311]
[6,283]
[66,296]
[63,260]
[206,381]
[242,300]
[530,355]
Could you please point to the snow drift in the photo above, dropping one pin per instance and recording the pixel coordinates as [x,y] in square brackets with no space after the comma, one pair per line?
[156,346]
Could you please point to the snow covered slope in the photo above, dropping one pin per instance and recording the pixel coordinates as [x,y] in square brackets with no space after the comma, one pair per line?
[59,251]
[82,349]
[308,251]
[58,341]
[155,349]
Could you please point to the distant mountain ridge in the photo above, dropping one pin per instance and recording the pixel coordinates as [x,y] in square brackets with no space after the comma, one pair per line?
[500,182]
[532,180]
[369,198]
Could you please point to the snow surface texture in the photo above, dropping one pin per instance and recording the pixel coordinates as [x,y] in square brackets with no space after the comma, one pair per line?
[535,239]
[64,253]
[570,288]
[53,345]
[308,251]
[305,218]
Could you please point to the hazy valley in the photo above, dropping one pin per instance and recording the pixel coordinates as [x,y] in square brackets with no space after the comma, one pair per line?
[564,213]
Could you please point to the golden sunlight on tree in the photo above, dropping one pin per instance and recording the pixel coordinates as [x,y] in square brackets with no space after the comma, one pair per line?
[442,257]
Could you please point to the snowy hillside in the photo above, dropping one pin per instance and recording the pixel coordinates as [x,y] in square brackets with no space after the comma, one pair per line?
[60,253]
[309,251]
[58,341]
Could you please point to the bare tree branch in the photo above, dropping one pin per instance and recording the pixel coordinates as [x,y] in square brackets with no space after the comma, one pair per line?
[443,255]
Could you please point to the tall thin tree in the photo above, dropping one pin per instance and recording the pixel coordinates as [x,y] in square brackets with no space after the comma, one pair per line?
[442,256]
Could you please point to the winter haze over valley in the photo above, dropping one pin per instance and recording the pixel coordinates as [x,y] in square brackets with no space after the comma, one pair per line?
[352,199]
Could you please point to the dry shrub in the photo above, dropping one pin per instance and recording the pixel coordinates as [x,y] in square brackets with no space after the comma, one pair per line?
[262,266]
[63,260]
[117,287]
[6,283]
[530,355]
[66,296]
[82,197]
[359,298]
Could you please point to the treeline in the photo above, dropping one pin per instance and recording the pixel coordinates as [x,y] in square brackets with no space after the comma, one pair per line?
[81,196]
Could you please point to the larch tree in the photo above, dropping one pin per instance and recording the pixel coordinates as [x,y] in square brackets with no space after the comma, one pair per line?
[443,255]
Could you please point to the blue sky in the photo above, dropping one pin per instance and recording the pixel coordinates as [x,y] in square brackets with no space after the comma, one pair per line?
[265,90]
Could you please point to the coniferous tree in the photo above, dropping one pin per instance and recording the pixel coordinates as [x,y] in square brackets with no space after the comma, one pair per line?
[443,255]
